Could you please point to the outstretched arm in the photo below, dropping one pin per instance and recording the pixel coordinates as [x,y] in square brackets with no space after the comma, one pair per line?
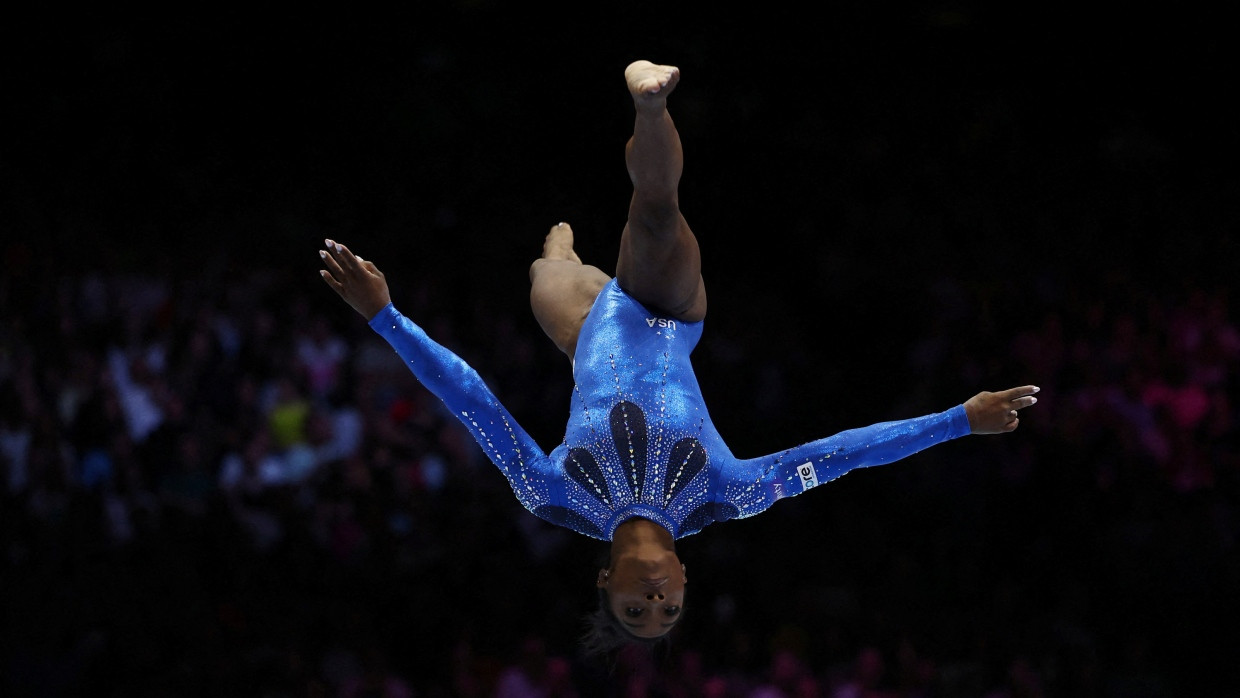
[755,484]
[444,374]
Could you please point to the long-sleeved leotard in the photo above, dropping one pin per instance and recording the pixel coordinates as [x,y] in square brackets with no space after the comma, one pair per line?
[639,441]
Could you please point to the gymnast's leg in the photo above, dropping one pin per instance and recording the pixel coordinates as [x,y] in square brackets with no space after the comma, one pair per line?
[563,289]
[659,262]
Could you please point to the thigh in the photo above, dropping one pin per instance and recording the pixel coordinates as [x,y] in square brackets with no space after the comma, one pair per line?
[662,267]
[561,295]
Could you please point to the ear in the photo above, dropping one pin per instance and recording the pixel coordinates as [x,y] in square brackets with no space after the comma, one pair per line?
[603,574]
[685,572]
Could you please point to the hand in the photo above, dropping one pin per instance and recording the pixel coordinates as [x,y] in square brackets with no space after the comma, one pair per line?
[359,282]
[996,413]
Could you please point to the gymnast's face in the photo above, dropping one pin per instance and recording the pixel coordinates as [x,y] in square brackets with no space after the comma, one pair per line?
[645,592]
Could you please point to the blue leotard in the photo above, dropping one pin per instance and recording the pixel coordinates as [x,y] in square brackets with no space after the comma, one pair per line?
[639,440]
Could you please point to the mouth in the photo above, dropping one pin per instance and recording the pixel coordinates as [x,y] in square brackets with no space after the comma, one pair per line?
[654,582]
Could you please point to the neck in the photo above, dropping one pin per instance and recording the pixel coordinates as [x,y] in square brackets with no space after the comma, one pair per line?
[638,534]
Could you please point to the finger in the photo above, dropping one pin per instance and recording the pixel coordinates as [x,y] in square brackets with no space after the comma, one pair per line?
[343,255]
[333,267]
[1013,393]
[1022,402]
[330,281]
[335,252]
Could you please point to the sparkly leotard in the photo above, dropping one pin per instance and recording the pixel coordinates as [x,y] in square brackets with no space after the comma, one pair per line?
[639,441]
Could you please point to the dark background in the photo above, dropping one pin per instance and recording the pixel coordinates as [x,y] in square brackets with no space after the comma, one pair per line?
[897,207]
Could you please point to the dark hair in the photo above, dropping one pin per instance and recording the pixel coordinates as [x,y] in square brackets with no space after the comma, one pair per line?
[605,633]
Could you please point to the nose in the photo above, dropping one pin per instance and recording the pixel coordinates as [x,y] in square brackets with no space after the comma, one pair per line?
[654,595]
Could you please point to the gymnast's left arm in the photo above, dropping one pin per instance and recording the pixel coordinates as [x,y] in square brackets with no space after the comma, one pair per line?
[795,470]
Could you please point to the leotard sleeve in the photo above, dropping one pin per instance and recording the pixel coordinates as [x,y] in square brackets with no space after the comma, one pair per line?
[753,485]
[530,472]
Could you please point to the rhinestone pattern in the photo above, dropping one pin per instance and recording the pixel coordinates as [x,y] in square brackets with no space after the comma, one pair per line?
[639,441]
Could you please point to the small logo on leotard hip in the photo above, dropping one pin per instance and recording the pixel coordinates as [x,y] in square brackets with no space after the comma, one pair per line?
[660,322]
[809,477]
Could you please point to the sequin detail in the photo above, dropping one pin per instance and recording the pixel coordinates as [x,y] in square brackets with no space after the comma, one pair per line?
[656,454]
[628,432]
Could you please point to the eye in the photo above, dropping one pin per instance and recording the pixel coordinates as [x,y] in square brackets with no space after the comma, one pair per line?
[671,611]
[632,612]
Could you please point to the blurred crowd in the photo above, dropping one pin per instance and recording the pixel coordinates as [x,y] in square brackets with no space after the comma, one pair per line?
[217,481]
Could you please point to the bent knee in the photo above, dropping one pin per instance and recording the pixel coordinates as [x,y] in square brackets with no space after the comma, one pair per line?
[563,287]
[561,297]
[563,271]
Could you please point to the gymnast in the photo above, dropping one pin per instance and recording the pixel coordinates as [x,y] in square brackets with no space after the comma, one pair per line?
[641,464]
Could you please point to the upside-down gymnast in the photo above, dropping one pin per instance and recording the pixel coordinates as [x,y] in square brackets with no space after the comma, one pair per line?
[641,464]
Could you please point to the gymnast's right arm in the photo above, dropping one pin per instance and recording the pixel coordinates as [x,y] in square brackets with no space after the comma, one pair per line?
[360,283]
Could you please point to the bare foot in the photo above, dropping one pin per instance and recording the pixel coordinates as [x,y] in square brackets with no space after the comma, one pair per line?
[559,244]
[650,84]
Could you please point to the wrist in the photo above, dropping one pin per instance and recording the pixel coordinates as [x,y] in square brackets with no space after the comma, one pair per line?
[970,413]
[372,309]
